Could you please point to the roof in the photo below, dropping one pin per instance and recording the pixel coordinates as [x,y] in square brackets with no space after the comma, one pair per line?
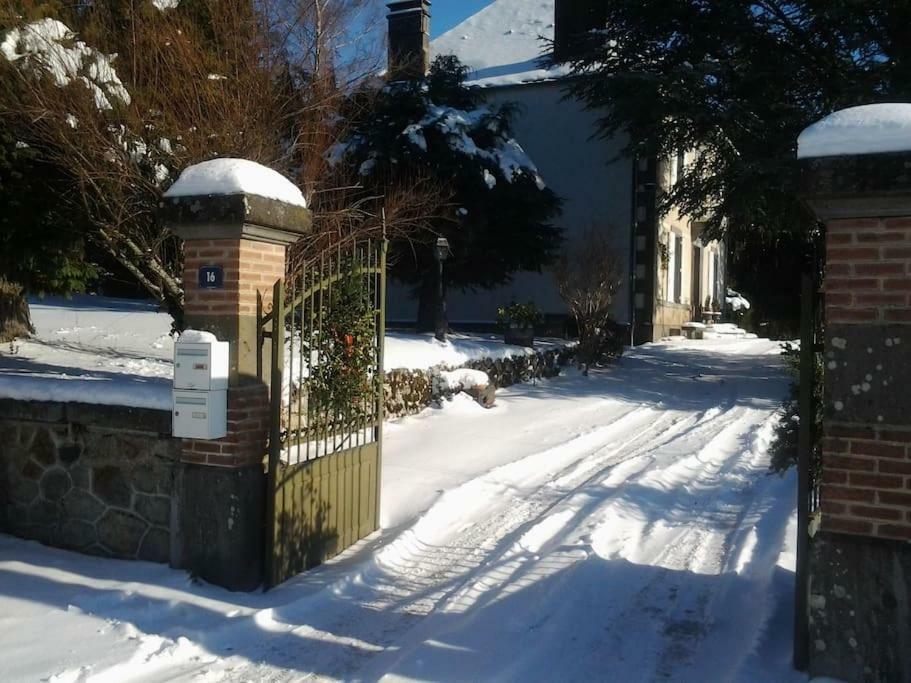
[503,43]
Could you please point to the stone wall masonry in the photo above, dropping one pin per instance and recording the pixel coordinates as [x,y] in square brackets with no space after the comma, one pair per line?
[97,479]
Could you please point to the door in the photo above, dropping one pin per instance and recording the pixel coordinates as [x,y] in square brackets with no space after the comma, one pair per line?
[696,279]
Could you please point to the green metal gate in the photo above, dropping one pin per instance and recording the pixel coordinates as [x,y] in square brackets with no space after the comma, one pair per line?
[326,425]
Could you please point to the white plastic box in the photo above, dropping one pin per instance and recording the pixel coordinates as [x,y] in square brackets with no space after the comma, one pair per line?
[200,414]
[201,366]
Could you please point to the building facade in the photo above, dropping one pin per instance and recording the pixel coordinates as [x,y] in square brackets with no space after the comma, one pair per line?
[670,275]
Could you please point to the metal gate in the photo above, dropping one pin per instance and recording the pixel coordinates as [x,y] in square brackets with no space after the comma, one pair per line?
[808,462]
[325,440]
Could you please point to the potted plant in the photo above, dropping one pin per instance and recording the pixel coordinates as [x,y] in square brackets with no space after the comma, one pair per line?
[518,322]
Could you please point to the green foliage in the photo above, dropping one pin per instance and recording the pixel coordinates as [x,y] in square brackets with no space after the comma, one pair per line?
[42,245]
[523,316]
[341,381]
[739,80]
[498,221]
[783,449]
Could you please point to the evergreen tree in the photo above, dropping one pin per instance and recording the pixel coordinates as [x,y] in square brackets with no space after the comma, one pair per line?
[739,80]
[498,218]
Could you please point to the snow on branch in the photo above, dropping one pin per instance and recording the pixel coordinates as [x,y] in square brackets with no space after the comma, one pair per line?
[472,133]
[49,46]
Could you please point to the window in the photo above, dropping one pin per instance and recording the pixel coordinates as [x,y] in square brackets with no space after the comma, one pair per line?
[674,267]
[681,165]
[678,268]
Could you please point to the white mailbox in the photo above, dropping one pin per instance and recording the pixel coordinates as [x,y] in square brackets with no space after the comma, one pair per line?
[200,406]
[200,414]
[201,365]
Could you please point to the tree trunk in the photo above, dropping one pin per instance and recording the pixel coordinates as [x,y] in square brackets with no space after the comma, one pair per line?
[428,295]
[14,313]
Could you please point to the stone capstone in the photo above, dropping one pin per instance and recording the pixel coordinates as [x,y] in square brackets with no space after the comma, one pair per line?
[121,532]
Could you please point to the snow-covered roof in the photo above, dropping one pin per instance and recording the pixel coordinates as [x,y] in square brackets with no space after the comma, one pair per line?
[868,129]
[503,43]
[235,176]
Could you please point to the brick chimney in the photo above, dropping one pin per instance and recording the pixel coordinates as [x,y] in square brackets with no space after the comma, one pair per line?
[409,39]
[574,17]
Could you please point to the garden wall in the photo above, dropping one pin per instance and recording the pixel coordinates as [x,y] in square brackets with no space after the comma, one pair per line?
[98,479]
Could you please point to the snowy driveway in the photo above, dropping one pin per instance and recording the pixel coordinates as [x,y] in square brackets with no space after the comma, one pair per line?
[617,527]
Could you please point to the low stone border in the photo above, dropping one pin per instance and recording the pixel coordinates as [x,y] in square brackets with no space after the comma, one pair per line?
[408,392]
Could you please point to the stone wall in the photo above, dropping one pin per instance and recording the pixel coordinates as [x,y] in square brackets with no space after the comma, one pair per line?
[408,392]
[97,479]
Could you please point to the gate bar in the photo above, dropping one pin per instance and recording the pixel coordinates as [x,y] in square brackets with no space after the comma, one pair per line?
[804,459]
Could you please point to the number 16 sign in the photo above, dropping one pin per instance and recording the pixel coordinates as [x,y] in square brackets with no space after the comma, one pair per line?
[211,277]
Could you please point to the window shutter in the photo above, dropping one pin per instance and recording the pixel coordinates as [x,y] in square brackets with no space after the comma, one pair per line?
[678,268]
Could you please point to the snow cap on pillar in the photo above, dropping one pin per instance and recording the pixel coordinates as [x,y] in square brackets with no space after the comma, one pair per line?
[854,163]
[235,198]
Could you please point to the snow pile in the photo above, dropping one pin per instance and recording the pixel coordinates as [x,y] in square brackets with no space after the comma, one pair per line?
[868,129]
[736,301]
[197,337]
[49,46]
[235,176]
[504,42]
[462,379]
[726,330]
[164,5]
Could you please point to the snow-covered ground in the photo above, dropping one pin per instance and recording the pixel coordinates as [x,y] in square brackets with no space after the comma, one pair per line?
[615,527]
[119,352]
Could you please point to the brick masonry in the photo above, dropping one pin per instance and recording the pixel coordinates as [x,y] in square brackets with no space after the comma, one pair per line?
[251,269]
[868,271]
[866,481]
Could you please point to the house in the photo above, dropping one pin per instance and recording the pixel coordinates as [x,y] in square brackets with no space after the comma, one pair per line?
[670,273]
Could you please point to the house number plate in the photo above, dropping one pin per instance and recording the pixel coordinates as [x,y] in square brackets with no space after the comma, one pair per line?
[211,277]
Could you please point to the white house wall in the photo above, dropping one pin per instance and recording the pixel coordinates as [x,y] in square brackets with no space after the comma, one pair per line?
[587,172]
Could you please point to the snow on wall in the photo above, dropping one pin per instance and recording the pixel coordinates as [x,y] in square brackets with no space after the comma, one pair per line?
[235,176]
[49,45]
[868,129]
[503,43]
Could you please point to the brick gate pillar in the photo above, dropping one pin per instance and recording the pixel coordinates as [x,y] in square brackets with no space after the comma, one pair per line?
[235,246]
[860,610]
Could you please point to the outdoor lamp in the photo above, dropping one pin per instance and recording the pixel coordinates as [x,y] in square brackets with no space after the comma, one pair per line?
[441,253]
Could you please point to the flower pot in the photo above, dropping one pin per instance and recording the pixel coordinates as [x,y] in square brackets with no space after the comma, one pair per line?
[520,336]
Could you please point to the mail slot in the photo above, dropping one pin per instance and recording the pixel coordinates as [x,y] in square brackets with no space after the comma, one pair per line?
[202,366]
[200,414]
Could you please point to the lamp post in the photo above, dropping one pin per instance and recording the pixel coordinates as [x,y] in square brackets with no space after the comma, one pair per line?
[441,253]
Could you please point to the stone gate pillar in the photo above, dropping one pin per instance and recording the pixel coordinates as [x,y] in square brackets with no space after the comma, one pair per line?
[860,596]
[235,243]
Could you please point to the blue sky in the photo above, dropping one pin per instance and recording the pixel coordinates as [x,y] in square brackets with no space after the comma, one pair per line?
[448,13]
